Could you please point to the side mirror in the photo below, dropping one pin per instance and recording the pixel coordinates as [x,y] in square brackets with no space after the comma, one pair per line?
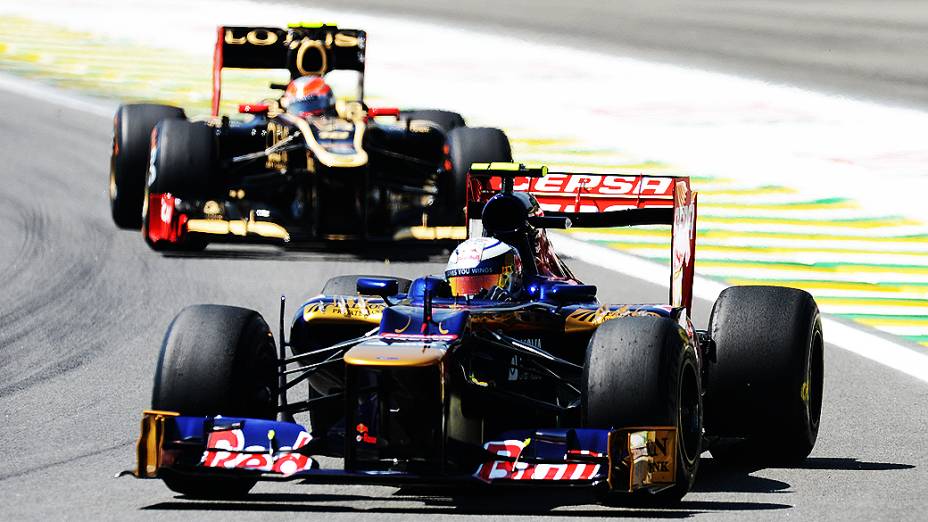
[381,287]
[565,293]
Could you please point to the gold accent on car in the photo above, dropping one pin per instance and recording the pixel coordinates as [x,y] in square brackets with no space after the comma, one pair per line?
[238,228]
[344,309]
[358,159]
[151,440]
[396,354]
[432,233]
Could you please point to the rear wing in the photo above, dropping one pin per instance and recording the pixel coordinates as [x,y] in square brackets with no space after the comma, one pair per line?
[301,49]
[591,200]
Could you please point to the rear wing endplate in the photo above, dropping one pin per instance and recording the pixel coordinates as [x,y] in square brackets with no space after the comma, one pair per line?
[302,49]
[592,200]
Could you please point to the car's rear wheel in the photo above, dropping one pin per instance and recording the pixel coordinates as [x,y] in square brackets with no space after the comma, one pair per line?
[132,127]
[764,394]
[465,146]
[640,372]
[216,360]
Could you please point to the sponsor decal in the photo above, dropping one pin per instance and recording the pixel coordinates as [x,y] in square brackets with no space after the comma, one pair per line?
[681,240]
[226,449]
[343,307]
[363,435]
[594,193]
[515,470]
[652,454]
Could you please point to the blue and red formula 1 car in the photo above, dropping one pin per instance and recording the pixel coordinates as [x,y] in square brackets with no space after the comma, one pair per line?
[508,370]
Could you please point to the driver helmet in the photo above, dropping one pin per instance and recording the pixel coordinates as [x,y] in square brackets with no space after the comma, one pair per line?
[484,267]
[307,96]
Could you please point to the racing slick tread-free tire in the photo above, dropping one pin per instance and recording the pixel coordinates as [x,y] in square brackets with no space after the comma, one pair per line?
[640,372]
[467,145]
[185,156]
[129,159]
[764,393]
[348,284]
[447,120]
[216,360]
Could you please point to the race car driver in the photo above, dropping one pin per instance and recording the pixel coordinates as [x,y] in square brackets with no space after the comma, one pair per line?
[308,96]
[485,268]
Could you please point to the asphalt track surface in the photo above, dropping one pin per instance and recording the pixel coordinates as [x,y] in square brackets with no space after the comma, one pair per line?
[83,307]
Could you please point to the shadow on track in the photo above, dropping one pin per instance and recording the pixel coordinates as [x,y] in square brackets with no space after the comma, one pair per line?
[715,477]
[496,503]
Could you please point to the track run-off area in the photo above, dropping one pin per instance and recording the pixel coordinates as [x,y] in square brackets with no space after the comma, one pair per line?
[797,188]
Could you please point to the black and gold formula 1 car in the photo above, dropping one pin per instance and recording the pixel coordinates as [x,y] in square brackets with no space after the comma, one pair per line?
[286,175]
[411,385]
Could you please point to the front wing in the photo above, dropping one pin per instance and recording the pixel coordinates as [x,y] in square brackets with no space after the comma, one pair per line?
[625,460]
[172,221]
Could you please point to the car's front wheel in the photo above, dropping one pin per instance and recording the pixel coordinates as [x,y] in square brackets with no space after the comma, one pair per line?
[639,371]
[216,360]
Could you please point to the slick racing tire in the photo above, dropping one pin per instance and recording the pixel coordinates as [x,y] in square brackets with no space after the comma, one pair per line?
[640,372]
[132,127]
[184,158]
[216,360]
[348,284]
[465,146]
[764,393]
[446,120]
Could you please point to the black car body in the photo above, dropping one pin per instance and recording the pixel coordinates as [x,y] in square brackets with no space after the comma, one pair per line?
[353,172]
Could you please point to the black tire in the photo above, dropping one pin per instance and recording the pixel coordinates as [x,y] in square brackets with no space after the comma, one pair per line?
[447,120]
[183,165]
[466,145]
[764,393]
[132,127]
[348,284]
[185,158]
[639,372]
[216,360]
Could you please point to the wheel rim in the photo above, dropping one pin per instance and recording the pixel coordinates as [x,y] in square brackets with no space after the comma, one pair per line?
[811,391]
[689,415]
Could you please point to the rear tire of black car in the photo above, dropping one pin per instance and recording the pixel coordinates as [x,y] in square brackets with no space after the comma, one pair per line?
[185,155]
[446,120]
[764,393]
[465,146]
[348,284]
[132,127]
[639,372]
[216,360]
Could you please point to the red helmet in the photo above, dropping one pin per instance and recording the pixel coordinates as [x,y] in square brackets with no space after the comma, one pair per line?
[307,95]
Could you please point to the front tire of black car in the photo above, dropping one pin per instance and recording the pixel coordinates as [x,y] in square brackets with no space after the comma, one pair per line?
[183,163]
[639,371]
[132,127]
[216,360]
[764,394]
[465,146]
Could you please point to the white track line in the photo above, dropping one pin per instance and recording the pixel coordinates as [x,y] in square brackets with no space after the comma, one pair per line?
[850,338]
[46,93]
